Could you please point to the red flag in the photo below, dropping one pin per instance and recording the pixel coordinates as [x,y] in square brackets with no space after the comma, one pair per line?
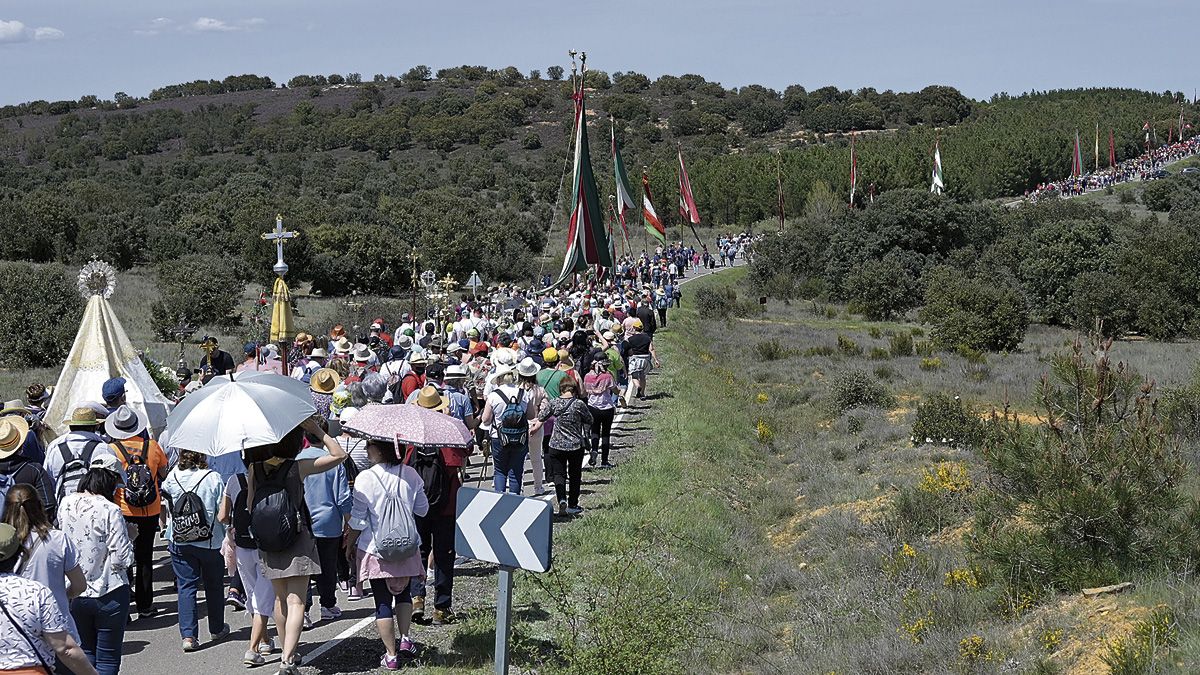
[653,225]
[853,169]
[687,202]
[1112,150]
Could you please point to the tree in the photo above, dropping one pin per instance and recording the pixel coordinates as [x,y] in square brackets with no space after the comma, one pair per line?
[354,78]
[420,73]
[554,73]
[46,307]
[203,288]
[973,312]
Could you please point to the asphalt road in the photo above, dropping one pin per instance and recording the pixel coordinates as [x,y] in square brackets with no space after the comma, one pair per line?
[153,646]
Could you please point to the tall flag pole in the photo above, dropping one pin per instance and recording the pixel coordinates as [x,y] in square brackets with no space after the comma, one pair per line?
[1146,128]
[612,199]
[587,242]
[939,183]
[853,169]
[649,216]
[687,201]
[1076,159]
[779,192]
[1112,149]
[1097,146]
[624,201]
[1181,122]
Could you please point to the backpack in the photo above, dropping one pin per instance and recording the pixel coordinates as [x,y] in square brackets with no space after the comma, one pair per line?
[275,518]
[429,464]
[512,425]
[307,372]
[7,480]
[141,489]
[396,536]
[189,518]
[73,468]
[240,518]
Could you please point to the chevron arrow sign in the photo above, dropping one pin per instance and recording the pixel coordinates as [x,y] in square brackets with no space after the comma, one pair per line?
[506,529]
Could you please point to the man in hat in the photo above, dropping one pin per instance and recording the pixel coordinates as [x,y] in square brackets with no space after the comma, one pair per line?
[414,380]
[379,331]
[40,633]
[456,392]
[33,449]
[215,361]
[17,468]
[69,455]
[113,392]
[145,466]
[437,527]
[249,358]
[315,361]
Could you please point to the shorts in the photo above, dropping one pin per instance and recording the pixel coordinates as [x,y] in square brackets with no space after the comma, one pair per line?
[260,594]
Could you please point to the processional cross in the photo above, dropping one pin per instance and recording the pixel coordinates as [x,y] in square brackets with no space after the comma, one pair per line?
[279,236]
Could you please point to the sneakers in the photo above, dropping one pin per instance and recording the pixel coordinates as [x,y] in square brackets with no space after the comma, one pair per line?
[574,510]
[442,617]
[253,659]
[331,613]
[418,608]
[407,647]
[266,647]
[190,644]
[606,465]
[562,507]
[220,635]
[235,600]
[354,593]
[147,613]
[390,662]
[591,461]
[307,622]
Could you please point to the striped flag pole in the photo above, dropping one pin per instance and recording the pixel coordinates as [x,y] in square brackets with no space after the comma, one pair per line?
[853,169]
[1097,146]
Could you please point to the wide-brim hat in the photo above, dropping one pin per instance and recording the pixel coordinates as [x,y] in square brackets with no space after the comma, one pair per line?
[362,354]
[83,416]
[13,431]
[527,367]
[343,345]
[430,398]
[324,381]
[13,407]
[301,338]
[319,353]
[455,372]
[500,372]
[125,422]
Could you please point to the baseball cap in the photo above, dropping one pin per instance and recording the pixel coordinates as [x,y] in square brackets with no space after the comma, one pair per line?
[113,388]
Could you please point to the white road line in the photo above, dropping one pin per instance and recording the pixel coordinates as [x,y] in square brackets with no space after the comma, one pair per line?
[337,639]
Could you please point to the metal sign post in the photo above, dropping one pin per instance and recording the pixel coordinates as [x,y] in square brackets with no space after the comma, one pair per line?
[475,282]
[512,531]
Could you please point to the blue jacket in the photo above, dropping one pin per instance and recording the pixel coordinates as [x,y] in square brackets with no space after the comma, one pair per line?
[328,496]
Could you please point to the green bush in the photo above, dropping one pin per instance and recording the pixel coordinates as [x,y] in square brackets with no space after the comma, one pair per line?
[973,312]
[199,288]
[820,350]
[722,302]
[879,354]
[772,350]
[900,344]
[1146,648]
[1092,494]
[857,389]
[847,346]
[946,419]
[42,311]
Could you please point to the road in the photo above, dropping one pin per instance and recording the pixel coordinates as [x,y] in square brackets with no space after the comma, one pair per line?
[347,645]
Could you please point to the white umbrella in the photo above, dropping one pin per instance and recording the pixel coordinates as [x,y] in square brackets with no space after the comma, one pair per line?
[228,415]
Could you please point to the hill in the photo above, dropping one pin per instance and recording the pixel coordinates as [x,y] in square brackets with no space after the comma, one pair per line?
[468,163]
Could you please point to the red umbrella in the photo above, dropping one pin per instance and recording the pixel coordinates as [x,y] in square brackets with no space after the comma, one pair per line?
[411,425]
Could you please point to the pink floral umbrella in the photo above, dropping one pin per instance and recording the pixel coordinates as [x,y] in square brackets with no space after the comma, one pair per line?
[410,425]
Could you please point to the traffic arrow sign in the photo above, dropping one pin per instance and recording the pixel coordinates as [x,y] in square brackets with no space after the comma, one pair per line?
[474,281]
[506,529]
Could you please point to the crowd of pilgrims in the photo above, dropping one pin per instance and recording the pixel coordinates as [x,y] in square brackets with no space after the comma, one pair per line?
[1142,167]
[83,511]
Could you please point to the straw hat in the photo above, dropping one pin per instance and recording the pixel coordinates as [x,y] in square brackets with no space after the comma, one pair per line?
[431,399]
[324,381]
[83,416]
[13,430]
[362,354]
[343,345]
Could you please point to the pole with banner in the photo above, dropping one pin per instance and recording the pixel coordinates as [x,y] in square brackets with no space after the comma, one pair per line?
[511,531]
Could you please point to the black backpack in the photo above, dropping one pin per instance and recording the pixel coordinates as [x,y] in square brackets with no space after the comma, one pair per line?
[189,518]
[429,464]
[241,518]
[275,518]
[74,468]
[512,422]
[141,486]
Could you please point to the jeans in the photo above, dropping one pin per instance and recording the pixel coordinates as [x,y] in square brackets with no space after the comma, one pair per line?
[509,466]
[437,535]
[566,470]
[141,575]
[328,551]
[101,622]
[194,565]
[602,421]
[662,316]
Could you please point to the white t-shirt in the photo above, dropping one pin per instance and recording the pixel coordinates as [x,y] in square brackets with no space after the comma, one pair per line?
[32,607]
[371,486]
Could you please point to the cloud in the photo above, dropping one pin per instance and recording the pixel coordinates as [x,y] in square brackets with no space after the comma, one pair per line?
[155,26]
[15,31]
[209,25]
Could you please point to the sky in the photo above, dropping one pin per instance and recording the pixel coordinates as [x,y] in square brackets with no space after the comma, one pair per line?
[63,49]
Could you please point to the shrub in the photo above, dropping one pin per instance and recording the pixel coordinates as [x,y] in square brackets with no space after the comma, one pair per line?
[900,344]
[924,348]
[874,332]
[1127,197]
[164,376]
[1179,408]
[931,363]
[722,302]
[1090,494]
[1145,648]
[847,346]
[855,389]
[820,350]
[882,288]
[202,289]
[772,350]
[42,310]
[885,372]
[942,418]
[973,312]
[880,354]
